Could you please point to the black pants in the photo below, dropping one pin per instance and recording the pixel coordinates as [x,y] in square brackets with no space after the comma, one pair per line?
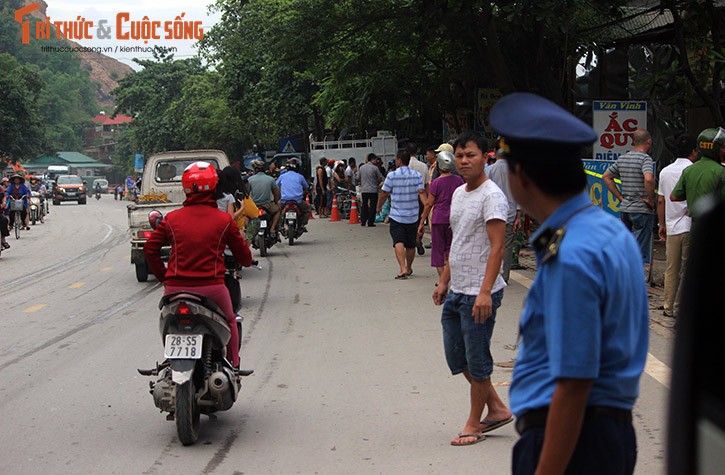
[606,446]
[4,231]
[368,208]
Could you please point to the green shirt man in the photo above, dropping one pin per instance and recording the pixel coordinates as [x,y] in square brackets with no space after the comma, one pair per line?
[705,176]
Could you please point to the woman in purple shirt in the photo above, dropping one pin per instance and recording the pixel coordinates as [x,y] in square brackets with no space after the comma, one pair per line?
[439,200]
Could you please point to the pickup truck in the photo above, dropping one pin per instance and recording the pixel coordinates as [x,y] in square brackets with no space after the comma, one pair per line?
[161,190]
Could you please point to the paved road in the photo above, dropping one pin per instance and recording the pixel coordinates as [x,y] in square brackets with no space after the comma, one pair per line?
[349,370]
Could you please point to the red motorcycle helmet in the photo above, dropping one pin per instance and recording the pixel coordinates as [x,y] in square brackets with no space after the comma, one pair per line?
[199,177]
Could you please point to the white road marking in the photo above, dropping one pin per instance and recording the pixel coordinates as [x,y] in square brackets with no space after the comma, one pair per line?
[654,367]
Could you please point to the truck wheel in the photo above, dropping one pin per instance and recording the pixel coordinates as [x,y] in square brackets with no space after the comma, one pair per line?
[142,272]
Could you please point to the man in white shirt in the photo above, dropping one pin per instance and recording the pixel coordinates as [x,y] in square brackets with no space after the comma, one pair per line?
[479,210]
[674,223]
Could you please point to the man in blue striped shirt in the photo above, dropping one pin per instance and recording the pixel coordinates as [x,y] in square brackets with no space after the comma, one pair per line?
[403,186]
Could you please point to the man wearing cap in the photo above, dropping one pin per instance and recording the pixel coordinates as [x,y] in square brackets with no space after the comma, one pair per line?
[636,171]
[585,324]
[706,175]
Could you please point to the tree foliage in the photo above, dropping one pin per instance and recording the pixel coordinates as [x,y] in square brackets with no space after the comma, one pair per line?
[47,98]
[176,105]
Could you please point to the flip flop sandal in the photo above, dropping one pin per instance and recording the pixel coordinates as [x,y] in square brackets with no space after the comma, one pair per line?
[479,437]
[493,425]
[401,276]
[6,245]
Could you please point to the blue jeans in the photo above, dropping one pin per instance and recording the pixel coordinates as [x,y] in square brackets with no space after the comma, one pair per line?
[467,344]
[640,224]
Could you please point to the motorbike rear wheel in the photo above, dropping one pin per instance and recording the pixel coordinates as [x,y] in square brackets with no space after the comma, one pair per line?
[262,244]
[33,217]
[291,230]
[187,413]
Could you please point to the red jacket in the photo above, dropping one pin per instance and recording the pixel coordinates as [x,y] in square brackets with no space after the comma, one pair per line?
[198,234]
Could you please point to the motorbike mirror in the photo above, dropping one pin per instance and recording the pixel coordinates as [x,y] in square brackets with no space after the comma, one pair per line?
[155,217]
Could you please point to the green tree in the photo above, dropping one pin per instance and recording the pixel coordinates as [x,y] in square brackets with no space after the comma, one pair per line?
[63,97]
[203,118]
[21,131]
[146,95]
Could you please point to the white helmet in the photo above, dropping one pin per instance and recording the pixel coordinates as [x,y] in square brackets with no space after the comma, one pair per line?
[446,161]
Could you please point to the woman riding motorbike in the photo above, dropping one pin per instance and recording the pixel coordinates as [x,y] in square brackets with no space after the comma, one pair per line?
[198,234]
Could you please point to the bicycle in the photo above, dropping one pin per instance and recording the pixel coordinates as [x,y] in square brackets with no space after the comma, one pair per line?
[16,210]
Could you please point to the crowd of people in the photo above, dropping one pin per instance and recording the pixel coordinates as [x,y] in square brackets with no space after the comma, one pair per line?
[15,188]
[585,324]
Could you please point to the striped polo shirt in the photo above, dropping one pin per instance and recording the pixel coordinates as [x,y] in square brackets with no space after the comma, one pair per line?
[403,185]
[631,168]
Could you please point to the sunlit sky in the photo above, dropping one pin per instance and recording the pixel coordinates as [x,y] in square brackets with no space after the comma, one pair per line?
[155,10]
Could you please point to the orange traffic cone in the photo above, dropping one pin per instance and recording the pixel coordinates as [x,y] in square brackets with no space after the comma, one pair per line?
[334,214]
[307,199]
[354,218]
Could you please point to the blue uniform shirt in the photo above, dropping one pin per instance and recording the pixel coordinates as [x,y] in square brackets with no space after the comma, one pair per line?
[292,186]
[586,315]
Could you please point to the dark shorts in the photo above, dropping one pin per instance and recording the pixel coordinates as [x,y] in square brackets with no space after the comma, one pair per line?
[404,233]
[467,344]
[271,207]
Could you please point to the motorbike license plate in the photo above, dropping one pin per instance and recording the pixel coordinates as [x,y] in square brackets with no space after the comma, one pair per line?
[263,224]
[183,346]
[290,215]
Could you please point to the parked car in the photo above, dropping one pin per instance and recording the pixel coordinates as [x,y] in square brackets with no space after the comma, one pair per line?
[69,188]
[104,185]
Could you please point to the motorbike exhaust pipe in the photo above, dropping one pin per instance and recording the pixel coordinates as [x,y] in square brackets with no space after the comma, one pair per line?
[218,383]
[221,391]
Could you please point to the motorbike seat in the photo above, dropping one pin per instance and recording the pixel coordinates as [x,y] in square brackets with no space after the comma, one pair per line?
[201,299]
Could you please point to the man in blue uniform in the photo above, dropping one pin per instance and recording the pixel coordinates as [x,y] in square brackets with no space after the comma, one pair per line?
[584,326]
[294,187]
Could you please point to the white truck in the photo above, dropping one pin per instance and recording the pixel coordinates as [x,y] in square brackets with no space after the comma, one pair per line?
[161,190]
[384,144]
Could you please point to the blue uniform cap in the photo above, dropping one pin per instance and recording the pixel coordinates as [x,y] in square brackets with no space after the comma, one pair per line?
[526,117]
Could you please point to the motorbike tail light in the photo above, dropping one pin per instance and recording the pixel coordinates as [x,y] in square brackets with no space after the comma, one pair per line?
[145,234]
[183,309]
[261,212]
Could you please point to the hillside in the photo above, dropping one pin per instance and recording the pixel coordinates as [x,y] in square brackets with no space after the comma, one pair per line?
[104,71]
